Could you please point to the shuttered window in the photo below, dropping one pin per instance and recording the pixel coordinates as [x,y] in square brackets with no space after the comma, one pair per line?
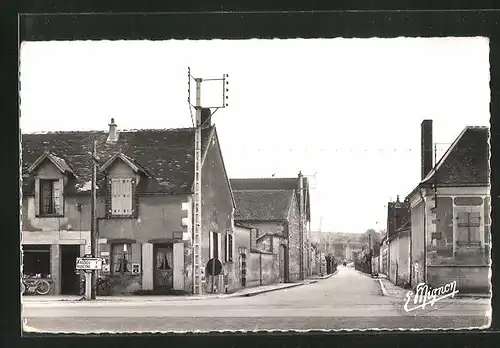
[229,247]
[50,194]
[121,197]
[214,244]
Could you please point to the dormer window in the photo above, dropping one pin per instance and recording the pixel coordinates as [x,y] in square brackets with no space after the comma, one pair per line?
[50,197]
[50,172]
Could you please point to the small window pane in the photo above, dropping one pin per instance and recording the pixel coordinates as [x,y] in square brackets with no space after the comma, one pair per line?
[121,259]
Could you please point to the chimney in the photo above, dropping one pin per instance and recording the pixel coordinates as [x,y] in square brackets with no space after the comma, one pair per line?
[426,148]
[301,194]
[113,133]
[206,117]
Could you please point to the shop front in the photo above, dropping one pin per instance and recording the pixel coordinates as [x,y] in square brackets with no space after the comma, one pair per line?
[49,260]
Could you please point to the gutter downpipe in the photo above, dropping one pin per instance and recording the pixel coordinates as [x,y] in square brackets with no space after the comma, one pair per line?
[411,249]
[425,232]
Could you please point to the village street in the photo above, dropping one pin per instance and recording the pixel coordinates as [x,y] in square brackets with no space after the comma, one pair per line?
[347,300]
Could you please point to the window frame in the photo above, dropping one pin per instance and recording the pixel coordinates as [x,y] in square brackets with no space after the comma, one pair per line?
[229,246]
[214,245]
[57,209]
[468,225]
[128,259]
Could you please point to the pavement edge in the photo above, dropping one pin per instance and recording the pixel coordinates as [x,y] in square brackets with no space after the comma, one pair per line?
[255,293]
[382,287]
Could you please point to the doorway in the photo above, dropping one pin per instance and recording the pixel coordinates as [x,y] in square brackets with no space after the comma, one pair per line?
[70,280]
[163,266]
[283,267]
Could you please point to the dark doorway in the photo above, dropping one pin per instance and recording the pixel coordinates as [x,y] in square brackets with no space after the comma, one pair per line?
[69,277]
[283,264]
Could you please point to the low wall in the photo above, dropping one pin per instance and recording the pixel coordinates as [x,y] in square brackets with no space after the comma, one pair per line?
[260,268]
[470,279]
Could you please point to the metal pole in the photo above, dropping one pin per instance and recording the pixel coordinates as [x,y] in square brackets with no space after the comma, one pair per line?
[93,232]
[197,261]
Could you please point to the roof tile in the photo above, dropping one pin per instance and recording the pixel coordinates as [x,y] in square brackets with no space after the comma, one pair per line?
[166,154]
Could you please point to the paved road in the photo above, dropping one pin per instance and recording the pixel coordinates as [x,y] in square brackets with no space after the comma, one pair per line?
[348,300]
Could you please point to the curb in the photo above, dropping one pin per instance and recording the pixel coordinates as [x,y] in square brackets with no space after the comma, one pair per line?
[382,287]
[270,290]
[325,277]
[221,296]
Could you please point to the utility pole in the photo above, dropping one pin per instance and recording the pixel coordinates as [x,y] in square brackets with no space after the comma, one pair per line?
[198,125]
[93,225]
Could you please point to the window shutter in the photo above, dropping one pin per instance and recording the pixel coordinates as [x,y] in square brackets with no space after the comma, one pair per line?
[134,199]
[211,245]
[114,197]
[226,243]
[136,253]
[219,249]
[231,247]
[37,197]
[58,196]
[108,200]
[127,196]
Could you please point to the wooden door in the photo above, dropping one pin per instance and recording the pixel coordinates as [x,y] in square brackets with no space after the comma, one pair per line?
[178,266]
[282,263]
[163,279]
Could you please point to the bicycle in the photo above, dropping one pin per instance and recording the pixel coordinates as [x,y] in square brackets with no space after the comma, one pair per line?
[35,286]
[103,286]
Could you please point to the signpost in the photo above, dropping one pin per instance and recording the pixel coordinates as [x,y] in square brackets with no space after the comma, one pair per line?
[214,267]
[88,264]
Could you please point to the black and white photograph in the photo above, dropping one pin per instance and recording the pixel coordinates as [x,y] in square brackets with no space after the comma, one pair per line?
[255,185]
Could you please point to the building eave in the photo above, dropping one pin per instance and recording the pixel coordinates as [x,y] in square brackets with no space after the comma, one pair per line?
[128,161]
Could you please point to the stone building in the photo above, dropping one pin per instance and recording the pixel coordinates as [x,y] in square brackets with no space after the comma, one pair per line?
[398,239]
[273,207]
[144,207]
[450,213]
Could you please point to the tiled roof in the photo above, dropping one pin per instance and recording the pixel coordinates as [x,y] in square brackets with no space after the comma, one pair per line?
[273,184]
[166,155]
[466,162]
[262,205]
[266,184]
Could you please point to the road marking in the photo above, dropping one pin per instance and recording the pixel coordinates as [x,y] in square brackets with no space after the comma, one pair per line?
[382,286]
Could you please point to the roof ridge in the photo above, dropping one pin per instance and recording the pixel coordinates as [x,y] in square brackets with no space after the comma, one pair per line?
[264,189]
[104,131]
[264,178]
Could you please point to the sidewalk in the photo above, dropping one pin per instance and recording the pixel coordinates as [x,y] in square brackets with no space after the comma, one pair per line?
[253,291]
[391,290]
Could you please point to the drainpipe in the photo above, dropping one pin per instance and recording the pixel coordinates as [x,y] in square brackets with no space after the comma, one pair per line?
[411,255]
[425,233]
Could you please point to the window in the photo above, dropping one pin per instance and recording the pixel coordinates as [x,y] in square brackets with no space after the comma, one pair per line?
[50,197]
[214,245]
[121,259]
[36,260]
[468,225]
[229,247]
[121,197]
[164,259]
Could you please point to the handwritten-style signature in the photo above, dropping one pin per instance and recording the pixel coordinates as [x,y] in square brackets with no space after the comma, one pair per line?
[424,295]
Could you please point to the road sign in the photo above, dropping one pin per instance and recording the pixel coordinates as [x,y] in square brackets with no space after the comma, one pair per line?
[214,267]
[88,263]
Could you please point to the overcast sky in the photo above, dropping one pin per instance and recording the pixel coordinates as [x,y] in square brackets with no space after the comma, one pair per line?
[346,112]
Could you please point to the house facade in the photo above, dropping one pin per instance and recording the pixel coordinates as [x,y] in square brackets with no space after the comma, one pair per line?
[398,240]
[450,213]
[273,208]
[144,208]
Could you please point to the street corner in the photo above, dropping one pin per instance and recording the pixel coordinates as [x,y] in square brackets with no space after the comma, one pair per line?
[390,290]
